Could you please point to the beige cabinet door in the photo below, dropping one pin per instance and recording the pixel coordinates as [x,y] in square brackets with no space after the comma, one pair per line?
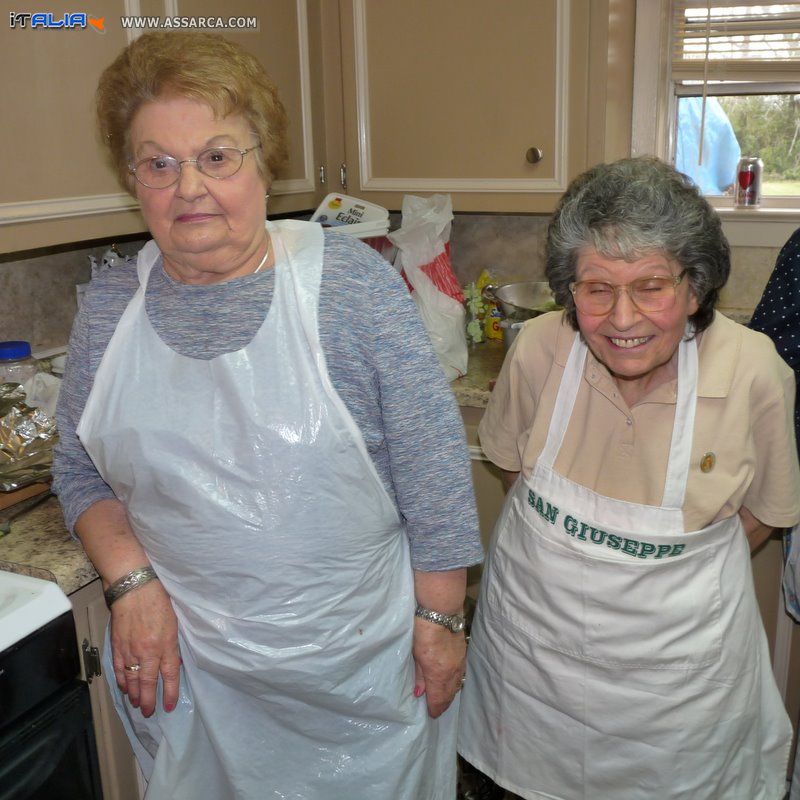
[287,45]
[118,770]
[461,96]
[57,187]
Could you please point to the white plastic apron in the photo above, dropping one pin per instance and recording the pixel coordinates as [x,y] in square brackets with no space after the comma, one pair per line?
[613,656]
[249,485]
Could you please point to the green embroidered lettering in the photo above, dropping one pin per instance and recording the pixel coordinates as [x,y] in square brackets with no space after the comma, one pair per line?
[551,514]
[646,549]
[663,549]
[598,536]
[570,524]
[677,549]
[531,499]
[629,546]
[540,507]
[613,541]
[584,528]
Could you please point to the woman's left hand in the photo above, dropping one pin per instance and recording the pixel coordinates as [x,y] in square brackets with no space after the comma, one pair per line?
[440,659]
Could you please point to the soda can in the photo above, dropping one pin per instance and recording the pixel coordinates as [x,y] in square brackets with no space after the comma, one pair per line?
[748,182]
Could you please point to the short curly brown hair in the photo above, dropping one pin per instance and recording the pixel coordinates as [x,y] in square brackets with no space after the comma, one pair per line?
[201,66]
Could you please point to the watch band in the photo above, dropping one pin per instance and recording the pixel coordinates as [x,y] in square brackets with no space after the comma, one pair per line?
[453,622]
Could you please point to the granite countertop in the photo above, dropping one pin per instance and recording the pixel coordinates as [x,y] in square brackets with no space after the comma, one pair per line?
[40,545]
[483,366]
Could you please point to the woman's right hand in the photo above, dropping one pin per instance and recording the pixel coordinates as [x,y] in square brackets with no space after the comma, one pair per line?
[144,631]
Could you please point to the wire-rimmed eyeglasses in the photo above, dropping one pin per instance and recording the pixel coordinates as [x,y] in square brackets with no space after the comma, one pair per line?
[596,298]
[162,171]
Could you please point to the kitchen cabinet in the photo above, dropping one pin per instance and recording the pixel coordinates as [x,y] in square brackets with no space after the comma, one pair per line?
[287,43]
[118,770]
[57,188]
[498,104]
[413,97]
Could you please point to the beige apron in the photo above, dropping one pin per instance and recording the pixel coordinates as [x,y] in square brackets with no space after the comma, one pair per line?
[251,489]
[613,655]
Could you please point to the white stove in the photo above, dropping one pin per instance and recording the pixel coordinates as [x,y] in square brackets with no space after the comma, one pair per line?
[26,605]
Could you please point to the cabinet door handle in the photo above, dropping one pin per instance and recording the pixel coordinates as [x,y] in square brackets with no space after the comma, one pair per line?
[322,177]
[533,155]
[91,661]
[343,176]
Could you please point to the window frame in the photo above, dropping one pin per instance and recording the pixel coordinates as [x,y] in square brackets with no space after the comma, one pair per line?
[769,225]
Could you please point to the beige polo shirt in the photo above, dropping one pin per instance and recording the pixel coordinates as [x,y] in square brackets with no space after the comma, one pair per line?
[744,418]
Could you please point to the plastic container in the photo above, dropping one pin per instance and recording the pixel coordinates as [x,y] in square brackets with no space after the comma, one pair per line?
[17,364]
[351,215]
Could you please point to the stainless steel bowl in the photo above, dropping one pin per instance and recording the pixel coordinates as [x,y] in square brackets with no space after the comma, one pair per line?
[525,299]
[519,302]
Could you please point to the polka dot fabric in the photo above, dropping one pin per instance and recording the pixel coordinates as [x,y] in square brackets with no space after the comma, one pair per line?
[778,312]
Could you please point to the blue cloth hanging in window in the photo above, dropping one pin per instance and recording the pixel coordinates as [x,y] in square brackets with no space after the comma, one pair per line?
[721,151]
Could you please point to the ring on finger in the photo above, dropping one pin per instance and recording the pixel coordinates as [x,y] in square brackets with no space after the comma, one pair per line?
[132,667]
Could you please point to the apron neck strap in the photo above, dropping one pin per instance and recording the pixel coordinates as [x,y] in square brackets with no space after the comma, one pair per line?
[680,451]
[565,402]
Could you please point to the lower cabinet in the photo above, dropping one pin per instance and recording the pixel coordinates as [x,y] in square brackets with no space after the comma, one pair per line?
[119,773]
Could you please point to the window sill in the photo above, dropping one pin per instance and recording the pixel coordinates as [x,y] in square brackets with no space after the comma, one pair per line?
[758,227]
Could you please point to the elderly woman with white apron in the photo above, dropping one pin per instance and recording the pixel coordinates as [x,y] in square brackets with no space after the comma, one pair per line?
[618,651]
[276,496]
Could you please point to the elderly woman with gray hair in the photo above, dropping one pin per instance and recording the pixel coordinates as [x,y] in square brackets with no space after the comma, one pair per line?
[647,443]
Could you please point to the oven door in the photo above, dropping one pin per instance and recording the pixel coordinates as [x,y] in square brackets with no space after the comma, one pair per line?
[49,753]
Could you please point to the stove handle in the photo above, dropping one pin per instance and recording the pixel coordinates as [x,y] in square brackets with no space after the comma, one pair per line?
[91,661]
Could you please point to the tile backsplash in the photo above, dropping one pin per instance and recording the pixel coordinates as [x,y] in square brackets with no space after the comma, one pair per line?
[512,249]
[37,294]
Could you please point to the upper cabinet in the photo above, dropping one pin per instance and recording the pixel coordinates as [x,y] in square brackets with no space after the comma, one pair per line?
[57,186]
[497,104]
[283,44]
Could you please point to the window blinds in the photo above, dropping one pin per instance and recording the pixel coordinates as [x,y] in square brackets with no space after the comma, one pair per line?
[735,41]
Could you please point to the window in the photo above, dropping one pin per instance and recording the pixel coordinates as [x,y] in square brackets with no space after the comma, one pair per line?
[735,79]
[752,72]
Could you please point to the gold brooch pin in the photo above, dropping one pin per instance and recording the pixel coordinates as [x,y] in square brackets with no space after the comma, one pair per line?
[707,462]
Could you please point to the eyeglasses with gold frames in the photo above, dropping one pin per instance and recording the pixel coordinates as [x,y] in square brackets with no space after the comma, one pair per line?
[597,298]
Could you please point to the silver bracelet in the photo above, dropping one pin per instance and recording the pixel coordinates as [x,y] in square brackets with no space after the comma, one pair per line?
[133,580]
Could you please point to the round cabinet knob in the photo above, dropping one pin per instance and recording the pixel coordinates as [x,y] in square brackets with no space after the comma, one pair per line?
[533,155]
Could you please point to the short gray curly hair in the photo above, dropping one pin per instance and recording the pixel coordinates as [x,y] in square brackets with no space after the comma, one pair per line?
[628,209]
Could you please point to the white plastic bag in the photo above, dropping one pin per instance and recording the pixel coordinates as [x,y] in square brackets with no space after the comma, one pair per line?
[424,259]
[42,392]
